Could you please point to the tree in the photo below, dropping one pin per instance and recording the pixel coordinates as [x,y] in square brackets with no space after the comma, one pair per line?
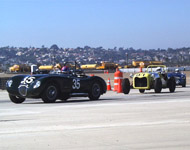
[54,47]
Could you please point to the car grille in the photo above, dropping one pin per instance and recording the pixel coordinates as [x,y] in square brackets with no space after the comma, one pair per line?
[141,82]
[23,90]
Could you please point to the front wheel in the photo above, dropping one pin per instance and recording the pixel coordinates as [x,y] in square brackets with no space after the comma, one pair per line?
[126,86]
[184,83]
[16,99]
[95,91]
[171,84]
[50,94]
[158,85]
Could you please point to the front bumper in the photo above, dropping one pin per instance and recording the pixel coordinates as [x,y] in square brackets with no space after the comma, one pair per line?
[25,92]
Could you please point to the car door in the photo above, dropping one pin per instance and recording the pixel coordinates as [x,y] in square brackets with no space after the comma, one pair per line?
[66,82]
[80,84]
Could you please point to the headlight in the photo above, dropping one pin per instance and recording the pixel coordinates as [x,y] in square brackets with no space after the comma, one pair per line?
[37,84]
[9,83]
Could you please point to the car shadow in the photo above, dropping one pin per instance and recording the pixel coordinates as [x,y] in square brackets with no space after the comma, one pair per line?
[4,101]
[71,101]
[74,101]
[162,92]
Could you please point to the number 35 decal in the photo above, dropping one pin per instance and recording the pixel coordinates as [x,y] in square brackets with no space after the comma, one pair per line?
[76,84]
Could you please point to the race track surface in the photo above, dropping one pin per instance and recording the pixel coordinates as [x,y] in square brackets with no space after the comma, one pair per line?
[115,122]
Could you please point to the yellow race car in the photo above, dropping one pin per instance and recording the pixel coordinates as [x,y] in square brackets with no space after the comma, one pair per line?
[155,77]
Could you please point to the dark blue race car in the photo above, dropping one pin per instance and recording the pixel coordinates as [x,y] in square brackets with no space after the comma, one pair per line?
[180,78]
[57,85]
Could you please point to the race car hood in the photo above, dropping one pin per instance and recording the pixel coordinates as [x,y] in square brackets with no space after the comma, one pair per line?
[21,84]
[18,80]
[141,75]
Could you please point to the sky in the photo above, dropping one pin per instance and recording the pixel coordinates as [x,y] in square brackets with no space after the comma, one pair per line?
[145,24]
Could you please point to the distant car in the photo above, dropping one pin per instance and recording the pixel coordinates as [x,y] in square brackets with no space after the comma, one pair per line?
[155,77]
[56,85]
[179,77]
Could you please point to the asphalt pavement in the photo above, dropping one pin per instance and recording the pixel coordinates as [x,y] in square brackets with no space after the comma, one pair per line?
[135,121]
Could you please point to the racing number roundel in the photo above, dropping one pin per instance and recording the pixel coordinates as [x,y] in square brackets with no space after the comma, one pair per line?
[76,84]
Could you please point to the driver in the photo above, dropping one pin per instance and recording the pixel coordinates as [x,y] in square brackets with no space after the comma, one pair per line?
[65,69]
[177,70]
[158,69]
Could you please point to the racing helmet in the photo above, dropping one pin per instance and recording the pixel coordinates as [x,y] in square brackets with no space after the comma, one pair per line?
[158,69]
[65,69]
[176,70]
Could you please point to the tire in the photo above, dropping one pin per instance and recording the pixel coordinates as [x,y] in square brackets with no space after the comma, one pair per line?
[141,90]
[95,91]
[126,86]
[50,94]
[65,96]
[16,99]
[184,83]
[158,85]
[171,84]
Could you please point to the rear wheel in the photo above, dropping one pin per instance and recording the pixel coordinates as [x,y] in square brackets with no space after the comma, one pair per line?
[172,84]
[158,85]
[16,99]
[95,91]
[141,90]
[126,86]
[50,94]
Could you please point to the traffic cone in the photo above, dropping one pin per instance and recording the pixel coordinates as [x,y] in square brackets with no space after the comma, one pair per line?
[107,72]
[108,85]
[119,89]
[140,69]
[117,75]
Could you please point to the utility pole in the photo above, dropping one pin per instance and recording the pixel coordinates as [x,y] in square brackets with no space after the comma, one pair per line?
[127,58]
